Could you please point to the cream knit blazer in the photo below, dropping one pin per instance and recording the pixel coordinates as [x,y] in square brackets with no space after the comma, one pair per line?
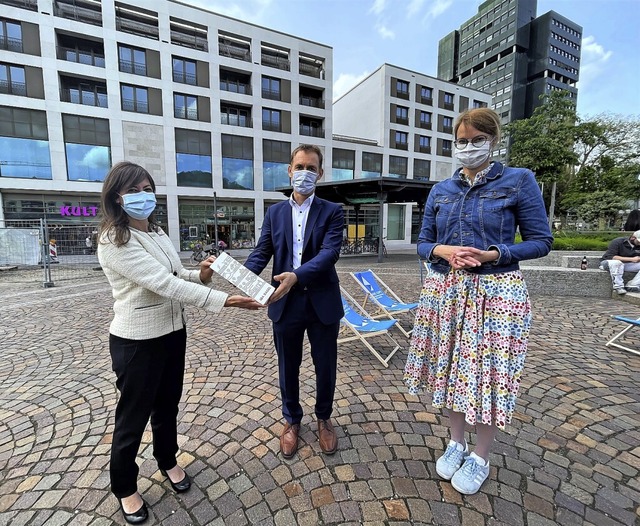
[150,286]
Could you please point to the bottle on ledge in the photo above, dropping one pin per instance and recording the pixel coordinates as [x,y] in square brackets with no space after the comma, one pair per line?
[583,263]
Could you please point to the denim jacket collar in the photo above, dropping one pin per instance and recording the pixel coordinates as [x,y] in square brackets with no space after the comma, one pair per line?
[496,171]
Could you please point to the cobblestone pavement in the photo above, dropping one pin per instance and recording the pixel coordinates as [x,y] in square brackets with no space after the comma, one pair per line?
[570,457]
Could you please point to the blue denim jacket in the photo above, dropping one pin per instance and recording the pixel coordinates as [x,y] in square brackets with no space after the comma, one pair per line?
[486,216]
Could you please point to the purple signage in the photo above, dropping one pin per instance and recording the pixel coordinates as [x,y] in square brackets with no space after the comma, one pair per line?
[86,211]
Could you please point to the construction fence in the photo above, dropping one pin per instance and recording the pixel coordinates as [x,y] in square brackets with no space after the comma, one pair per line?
[39,251]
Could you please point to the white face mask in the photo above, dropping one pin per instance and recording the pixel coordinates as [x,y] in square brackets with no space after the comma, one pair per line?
[139,205]
[472,157]
[304,181]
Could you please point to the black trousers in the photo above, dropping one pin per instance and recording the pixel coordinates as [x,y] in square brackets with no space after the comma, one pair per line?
[149,376]
[288,335]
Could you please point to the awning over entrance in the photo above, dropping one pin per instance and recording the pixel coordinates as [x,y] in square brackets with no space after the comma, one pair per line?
[380,190]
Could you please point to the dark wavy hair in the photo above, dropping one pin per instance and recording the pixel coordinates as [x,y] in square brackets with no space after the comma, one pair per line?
[113,219]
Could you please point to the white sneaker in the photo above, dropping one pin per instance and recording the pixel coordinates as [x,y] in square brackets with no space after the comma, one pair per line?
[620,291]
[452,459]
[468,479]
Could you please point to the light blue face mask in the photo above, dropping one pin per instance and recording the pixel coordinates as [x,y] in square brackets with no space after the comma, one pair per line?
[139,205]
[304,181]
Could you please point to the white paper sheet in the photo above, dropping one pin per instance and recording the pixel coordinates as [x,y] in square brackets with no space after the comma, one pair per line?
[240,276]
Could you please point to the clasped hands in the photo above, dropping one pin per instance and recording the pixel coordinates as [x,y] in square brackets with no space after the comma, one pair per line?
[465,257]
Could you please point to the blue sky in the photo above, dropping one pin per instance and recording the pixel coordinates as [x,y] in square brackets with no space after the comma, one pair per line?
[364,34]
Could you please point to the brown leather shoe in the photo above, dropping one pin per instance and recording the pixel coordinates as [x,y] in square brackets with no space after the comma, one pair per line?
[289,440]
[327,437]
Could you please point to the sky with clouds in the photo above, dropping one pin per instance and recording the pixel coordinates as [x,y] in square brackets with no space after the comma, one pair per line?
[365,34]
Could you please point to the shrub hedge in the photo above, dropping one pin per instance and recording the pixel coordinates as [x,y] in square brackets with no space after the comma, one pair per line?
[595,240]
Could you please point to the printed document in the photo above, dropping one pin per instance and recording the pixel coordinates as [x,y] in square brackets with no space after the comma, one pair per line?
[240,276]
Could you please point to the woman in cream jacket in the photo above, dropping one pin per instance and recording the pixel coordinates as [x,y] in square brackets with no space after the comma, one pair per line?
[147,336]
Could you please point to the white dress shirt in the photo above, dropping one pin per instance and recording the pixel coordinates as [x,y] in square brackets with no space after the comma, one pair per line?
[299,216]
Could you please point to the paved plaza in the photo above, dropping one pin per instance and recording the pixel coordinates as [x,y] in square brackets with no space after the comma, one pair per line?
[571,455]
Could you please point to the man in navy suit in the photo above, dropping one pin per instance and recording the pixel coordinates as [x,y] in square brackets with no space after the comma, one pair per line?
[304,235]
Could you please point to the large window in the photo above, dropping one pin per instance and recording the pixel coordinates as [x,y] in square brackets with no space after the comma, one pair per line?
[398,166]
[185,107]
[134,99]
[421,169]
[237,162]
[371,165]
[343,165]
[402,139]
[271,120]
[88,147]
[402,115]
[12,80]
[24,144]
[276,155]
[10,35]
[235,115]
[425,120]
[271,88]
[402,89]
[132,60]
[193,158]
[184,71]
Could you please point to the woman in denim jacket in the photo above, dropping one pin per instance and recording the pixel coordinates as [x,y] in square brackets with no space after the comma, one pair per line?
[470,336]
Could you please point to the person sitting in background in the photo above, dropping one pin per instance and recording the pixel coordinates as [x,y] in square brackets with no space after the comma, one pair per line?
[633,221]
[623,255]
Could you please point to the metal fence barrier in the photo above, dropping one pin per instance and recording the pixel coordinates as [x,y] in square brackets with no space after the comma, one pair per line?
[40,251]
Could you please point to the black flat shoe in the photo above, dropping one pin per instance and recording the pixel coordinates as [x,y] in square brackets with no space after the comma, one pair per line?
[137,517]
[179,487]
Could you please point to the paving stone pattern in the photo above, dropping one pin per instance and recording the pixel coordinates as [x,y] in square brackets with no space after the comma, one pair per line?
[570,457]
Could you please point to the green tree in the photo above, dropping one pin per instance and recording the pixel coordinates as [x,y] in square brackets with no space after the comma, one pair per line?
[544,143]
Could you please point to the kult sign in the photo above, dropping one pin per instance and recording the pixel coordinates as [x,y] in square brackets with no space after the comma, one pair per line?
[86,211]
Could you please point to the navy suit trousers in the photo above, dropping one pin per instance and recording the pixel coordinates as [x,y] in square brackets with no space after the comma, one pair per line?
[288,335]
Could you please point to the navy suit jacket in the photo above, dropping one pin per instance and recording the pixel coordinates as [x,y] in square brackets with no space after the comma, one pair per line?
[321,249]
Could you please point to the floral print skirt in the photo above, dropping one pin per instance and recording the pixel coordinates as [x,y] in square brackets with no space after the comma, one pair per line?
[469,343]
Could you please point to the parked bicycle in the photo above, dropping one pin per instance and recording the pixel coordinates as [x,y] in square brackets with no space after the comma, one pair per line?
[201,252]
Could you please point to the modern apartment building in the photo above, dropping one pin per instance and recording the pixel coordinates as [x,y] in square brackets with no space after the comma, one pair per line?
[506,51]
[210,105]
[410,117]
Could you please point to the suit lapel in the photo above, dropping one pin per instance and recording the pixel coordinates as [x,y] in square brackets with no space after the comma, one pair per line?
[288,226]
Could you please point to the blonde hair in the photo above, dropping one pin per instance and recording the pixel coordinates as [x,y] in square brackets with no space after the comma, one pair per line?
[482,119]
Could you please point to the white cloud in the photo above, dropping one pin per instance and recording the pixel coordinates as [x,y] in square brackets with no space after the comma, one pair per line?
[438,7]
[593,60]
[414,7]
[378,7]
[345,82]
[245,10]
[97,157]
[385,32]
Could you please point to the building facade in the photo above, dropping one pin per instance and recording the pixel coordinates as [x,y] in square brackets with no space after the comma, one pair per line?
[404,120]
[210,105]
[507,51]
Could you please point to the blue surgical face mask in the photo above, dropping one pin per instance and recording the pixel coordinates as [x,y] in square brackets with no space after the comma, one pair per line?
[304,181]
[139,205]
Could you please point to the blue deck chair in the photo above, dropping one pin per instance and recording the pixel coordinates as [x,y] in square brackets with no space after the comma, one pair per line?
[357,326]
[631,324]
[388,304]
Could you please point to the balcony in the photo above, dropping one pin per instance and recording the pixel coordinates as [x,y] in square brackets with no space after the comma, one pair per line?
[236,120]
[226,49]
[447,129]
[402,120]
[270,94]
[13,88]
[192,41]
[186,113]
[137,28]
[402,95]
[447,105]
[311,70]
[80,14]
[235,87]
[401,146]
[425,125]
[137,68]
[424,149]
[271,126]
[184,78]
[136,106]
[11,44]
[81,56]
[311,131]
[31,5]
[84,97]
[313,102]
[426,100]
[276,62]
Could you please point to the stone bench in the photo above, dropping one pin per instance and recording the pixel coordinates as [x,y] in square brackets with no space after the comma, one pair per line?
[562,281]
